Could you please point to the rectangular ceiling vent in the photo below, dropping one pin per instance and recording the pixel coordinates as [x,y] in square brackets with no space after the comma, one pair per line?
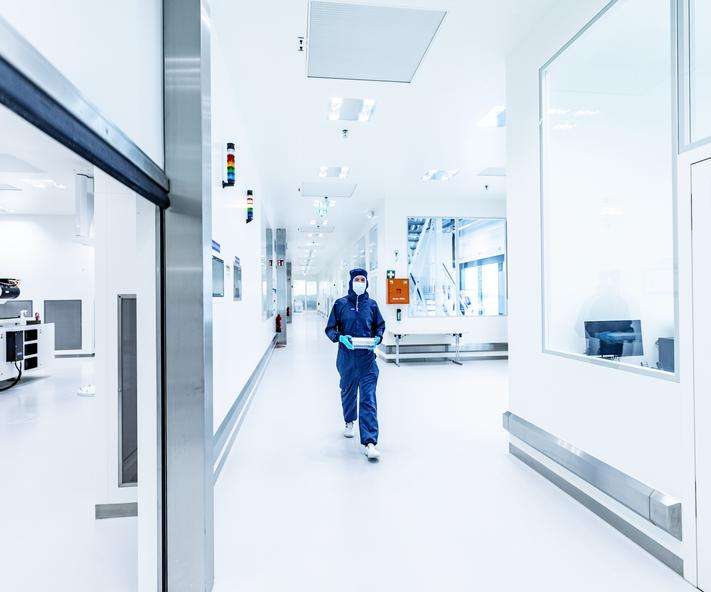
[361,42]
[332,189]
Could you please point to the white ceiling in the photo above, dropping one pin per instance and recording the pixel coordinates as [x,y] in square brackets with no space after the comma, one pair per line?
[39,166]
[429,123]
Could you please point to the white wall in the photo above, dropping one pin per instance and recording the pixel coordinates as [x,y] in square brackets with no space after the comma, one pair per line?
[41,252]
[125,229]
[640,424]
[111,51]
[240,335]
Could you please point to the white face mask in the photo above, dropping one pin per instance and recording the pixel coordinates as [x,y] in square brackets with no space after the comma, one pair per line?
[359,288]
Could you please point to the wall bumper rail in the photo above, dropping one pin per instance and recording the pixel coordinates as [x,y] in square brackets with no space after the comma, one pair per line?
[229,428]
[657,507]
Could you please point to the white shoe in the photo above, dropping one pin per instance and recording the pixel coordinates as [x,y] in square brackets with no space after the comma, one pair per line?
[372,452]
[349,430]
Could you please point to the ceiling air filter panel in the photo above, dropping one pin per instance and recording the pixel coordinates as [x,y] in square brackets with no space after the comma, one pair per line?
[359,42]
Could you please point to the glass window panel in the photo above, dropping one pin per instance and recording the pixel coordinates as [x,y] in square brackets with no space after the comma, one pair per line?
[81,248]
[373,285]
[299,293]
[359,254]
[373,248]
[218,277]
[311,294]
[457,266]
[608,236]
[237,279]
[700,61]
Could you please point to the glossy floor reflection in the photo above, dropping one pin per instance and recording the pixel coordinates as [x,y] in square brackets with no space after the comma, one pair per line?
[298,507]
[49,454]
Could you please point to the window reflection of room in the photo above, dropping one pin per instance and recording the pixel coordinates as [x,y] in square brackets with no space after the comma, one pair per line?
[608,234]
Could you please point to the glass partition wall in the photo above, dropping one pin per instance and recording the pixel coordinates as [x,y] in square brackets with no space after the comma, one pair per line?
[79,421]
[608,190]
[456,266]
[697,31]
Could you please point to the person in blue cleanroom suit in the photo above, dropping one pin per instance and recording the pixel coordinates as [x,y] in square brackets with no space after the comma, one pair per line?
[357,315]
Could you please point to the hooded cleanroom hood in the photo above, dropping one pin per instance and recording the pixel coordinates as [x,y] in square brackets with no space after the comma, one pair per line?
[354,273]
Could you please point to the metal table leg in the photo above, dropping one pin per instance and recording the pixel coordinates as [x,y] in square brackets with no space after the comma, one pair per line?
[457,346]
[397,350]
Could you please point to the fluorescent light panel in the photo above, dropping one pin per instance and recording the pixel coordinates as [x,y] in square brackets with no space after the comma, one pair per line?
[333,172]
[360,110]
[439,174]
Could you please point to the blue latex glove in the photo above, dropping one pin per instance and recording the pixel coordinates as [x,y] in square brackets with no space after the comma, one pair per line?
[346,340]
[376,341]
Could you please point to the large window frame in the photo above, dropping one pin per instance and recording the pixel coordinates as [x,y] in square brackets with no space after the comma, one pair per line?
[677,114]
[683,25]
[502,258]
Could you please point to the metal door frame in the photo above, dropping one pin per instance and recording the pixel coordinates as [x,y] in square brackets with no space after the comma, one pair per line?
[188,557]
[688,161]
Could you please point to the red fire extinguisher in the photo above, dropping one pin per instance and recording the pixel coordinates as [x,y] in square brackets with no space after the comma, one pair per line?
[278,323]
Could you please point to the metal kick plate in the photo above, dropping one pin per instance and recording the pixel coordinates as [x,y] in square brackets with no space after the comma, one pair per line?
[660,509]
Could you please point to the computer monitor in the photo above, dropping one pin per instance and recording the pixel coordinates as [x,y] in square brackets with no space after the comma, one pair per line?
[613,339]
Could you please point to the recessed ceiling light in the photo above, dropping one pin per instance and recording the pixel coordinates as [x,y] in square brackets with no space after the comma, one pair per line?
[563,126]
[360,110]
[496,117]
[439,174]
[333,172]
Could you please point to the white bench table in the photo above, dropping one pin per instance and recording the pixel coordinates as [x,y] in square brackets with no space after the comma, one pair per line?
[398,334]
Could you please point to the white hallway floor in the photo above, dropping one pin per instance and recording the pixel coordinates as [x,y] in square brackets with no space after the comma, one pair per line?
[49,454]
[298,507]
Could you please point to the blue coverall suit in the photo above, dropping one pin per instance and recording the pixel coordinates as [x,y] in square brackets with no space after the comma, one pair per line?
[357,316]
